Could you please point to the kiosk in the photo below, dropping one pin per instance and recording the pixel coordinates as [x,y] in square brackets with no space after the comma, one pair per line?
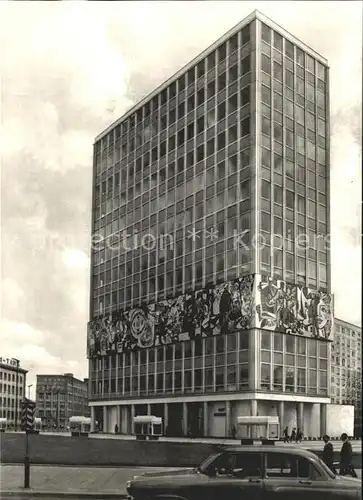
[148,427]
[265,429]
[80,426]
[3,424]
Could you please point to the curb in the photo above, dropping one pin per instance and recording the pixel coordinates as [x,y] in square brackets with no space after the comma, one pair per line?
[50,495]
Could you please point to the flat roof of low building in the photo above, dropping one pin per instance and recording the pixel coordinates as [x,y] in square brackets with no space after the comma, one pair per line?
[12,368]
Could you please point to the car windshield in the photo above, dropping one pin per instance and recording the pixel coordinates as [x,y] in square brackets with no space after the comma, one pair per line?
[324,466]
[204,468]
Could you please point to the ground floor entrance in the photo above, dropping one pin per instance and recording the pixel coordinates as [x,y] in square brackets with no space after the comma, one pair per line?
[209,418]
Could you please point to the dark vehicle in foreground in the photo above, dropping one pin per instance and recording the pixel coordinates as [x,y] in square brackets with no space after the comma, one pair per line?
[249,473]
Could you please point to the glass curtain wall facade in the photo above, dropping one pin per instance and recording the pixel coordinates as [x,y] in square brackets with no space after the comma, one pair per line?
[294,162]
[214,365]
[181,162]
[293,195]
[236,143]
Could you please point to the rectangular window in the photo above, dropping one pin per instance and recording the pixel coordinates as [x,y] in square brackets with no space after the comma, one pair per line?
[299,115]
[266,94]
[278,195]
[265,33]
[266,189]
[266,64]
[277,41]
[277,101]
[277,377]
[290,199]
[245,35]
[265,376]
[265,125]
[277,71]
[310,64]
[289,49]
[289,137]
[289,108]
[245,127]
[245,95]
[246,65]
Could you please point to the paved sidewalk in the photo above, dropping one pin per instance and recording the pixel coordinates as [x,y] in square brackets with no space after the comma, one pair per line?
[63,479]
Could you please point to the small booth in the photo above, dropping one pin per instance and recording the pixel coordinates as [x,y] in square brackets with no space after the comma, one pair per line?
[264,429]
[148,427]
[80,426]
[3,424]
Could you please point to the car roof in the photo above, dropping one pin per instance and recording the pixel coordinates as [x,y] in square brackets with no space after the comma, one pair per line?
[291,450]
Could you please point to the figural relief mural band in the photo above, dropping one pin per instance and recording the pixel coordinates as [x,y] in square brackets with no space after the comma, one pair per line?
[224,308]
[245,303]
[293,309]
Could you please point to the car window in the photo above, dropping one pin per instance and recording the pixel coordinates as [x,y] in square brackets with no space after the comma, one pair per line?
[239,465]
[289,466]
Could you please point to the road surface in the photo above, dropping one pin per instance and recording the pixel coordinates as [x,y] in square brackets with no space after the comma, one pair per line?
[85,479]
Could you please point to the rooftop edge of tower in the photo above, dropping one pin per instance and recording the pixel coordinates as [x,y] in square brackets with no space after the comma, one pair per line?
[256,14]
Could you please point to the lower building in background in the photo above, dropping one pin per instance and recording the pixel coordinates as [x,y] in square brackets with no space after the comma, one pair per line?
[59,397]
[12,390]
[346,369]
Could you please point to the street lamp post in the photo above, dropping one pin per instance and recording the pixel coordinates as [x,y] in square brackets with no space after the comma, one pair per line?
[57,411]
[16,394]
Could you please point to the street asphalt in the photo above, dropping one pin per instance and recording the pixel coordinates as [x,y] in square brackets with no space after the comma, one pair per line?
[74,479]
[83,479]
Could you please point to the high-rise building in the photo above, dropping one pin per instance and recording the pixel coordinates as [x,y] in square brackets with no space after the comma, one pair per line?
[210,267]
[346,369]
[59,397]
[12,390]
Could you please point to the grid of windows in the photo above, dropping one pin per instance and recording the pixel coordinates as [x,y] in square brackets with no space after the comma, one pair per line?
[293,162]
[346,362]
[293,364]
[214,364]
[181,162]
[59,397]
[8,398]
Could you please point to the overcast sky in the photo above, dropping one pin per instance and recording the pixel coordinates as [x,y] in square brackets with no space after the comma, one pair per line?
[69,69]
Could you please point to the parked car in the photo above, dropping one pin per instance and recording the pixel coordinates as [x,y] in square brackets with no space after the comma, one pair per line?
[249,473]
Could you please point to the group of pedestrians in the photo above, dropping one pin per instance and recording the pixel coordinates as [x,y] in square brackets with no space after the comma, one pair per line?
[295,437]
[346,456]
[346,453]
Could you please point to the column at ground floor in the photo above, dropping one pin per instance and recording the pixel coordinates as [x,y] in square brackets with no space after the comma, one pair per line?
[93,419]
[211,418]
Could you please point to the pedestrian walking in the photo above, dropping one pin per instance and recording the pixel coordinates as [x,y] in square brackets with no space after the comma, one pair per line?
[116,429]
[346,457]
[299,435]
[328,453]
[293,435]
[286,435]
